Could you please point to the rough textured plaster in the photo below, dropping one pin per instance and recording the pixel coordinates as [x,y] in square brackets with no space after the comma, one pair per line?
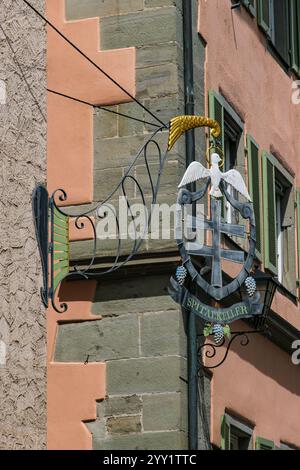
[22,156]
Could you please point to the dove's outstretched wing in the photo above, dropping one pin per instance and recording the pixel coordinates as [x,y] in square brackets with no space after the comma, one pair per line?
[194,172]
[235,179]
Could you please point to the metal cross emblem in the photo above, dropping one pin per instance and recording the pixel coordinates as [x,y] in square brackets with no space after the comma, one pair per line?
[216,251]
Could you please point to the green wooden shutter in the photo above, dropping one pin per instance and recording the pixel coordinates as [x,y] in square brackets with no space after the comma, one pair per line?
[255,188]
[264,444]
[216,111]
[288,224]
[298,237]
[225,434]
[263,15]
[295,35]
[61,250]
[251,6]
[270,235]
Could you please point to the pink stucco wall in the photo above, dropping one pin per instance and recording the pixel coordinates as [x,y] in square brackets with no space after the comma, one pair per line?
[259,382]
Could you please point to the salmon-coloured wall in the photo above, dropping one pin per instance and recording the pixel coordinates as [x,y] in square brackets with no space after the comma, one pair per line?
[265,387]
[70,124]
[258,382]
[73,389]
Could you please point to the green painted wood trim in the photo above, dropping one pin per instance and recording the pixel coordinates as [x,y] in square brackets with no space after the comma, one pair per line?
[225,434]
[281,168]
[295,35]
[58,248]
[61,264]
[57,238]
[61,256]
[59,222]
[213,100]
[261,442]
[59,215]
[266,225]
[59,277]
[251,184]
[262,19]
[61,231]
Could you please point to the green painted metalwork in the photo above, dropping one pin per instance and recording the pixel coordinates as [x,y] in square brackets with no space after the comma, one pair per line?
[60,247]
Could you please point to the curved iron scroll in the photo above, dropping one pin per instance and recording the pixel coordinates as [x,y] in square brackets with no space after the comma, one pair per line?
[60,218]
[209,350]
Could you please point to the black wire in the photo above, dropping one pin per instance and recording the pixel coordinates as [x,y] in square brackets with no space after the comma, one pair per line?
[92,62]
[102,108]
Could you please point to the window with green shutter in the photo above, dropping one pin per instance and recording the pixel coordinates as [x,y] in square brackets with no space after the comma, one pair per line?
[225,434]
[295,35]
[279,221]
[264,444]
[216,111]
[270,242]
[235,434]
[263,15]
[280,20]
[255,189]
[232,144]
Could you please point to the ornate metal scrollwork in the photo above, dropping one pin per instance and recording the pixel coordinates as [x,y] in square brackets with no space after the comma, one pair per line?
[59,246]
[209,349]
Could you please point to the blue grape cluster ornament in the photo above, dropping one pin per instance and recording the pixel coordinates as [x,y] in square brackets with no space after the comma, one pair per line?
[250,284]
[181,274]
[218,333]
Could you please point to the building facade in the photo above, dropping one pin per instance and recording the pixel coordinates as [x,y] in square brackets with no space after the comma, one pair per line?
[117,357]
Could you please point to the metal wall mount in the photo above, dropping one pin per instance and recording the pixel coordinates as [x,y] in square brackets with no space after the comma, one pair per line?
[52,221]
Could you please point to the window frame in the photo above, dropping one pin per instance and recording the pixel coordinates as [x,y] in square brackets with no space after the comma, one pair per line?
[290,179]
[227,421]
[266,23]
[251,141]
[261,441]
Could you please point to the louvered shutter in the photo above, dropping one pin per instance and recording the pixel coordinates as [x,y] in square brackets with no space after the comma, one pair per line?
[295,35]
[270,235]
[225,434]
[264,444]
[216,111]
[280,37]
[263,15]
[255,188]
[289,258]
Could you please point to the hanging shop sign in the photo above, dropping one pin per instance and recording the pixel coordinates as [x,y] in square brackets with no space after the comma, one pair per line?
[202,263]
[238,311]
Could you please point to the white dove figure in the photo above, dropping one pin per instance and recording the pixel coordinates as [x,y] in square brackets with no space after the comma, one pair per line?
[196,171]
